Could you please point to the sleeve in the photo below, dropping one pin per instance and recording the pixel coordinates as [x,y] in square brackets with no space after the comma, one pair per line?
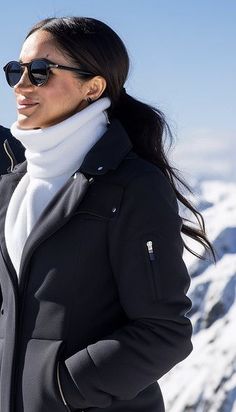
[146,248]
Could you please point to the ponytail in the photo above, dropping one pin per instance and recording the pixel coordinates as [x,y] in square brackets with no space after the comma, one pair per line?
[146,127]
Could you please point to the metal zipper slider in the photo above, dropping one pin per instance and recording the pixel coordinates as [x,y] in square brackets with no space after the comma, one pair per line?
[150,250]
[10,154]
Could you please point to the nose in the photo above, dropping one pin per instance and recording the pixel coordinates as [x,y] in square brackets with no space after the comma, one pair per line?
[24,82]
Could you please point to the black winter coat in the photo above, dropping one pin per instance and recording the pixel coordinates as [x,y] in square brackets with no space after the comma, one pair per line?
[102,286]
[13,152]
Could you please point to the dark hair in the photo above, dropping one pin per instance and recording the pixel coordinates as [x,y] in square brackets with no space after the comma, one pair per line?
[95,47]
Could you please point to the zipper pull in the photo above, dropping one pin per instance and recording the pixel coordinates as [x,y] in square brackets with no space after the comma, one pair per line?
[150,250]
[9,153]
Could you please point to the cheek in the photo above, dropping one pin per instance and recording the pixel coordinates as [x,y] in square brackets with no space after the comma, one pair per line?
[58,103]
[65,95]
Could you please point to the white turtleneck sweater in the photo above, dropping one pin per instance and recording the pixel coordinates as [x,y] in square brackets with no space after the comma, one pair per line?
[53,154]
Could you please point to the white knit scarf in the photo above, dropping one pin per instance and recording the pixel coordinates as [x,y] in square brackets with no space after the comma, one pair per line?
[53,154]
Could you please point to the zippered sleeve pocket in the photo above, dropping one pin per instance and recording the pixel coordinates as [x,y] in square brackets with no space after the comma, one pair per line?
[152,263]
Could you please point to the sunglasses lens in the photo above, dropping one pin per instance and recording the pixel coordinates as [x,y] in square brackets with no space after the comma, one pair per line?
[39,72]
[13,73]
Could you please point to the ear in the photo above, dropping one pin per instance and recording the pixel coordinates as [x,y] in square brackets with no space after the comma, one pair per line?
[95,87]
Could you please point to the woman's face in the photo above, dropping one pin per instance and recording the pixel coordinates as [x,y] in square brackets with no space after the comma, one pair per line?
[61,97]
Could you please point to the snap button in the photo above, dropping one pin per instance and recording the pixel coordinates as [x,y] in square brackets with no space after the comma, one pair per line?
[114,210]
[100,167]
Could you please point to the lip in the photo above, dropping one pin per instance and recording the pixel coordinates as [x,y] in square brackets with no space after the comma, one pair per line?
[26,104]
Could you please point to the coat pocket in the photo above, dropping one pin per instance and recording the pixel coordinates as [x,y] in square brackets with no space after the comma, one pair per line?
[1,350]
[39,380]
[152,260]
[1,355]
[60,387]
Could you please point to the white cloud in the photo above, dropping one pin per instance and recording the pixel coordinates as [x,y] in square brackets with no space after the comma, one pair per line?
[206,154]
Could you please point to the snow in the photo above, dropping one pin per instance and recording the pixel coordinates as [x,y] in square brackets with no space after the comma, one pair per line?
[206,380]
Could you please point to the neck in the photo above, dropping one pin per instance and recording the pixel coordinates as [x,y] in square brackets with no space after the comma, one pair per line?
[61,148]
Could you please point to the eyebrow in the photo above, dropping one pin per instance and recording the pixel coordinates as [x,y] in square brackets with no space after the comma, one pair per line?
[39,58]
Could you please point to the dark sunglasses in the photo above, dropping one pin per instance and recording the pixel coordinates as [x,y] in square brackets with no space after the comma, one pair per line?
[38,71]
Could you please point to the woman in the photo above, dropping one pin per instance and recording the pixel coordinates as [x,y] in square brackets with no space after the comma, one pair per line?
[92,276]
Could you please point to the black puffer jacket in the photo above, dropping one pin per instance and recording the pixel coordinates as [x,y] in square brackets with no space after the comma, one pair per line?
[11,152]
[99,314]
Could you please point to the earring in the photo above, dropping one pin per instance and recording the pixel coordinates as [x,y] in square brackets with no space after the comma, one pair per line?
[89,100]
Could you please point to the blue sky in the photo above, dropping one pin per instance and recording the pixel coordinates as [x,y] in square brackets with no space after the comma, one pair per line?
[183,54]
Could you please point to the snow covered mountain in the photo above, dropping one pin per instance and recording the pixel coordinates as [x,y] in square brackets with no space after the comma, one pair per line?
[206,380]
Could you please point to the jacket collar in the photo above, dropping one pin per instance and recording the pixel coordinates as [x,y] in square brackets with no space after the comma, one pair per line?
[105,155]
[108,152]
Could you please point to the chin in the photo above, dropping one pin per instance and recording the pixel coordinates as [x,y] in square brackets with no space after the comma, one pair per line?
[26,123]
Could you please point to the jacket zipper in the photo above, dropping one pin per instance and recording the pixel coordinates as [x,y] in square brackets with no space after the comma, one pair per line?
[10,154]
[60,388]
[14,366]
[19,320]
[152,265]
[20,298]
